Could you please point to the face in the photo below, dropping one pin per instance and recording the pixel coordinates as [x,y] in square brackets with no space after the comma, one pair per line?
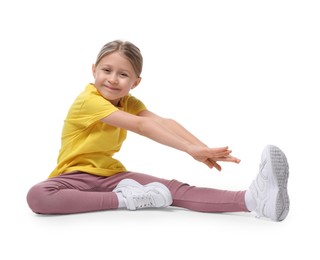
[114,77]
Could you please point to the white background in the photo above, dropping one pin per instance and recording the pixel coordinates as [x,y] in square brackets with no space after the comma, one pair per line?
[236,73]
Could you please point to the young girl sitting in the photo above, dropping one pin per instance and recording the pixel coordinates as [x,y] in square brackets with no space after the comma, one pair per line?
[88,178]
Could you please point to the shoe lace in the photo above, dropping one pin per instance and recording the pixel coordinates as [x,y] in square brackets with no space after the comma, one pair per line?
[143,201]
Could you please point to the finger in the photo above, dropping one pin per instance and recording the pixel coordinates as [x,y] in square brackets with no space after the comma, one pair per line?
[227,159]
[236,160]
[219,149]
[214,154]
[216,165]
[233,159]
[209,163]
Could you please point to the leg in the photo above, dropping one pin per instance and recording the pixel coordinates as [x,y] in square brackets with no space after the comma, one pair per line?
[194,198]
[82,192]
[71,193]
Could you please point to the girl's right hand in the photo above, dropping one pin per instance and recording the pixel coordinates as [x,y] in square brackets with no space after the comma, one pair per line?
[210,156]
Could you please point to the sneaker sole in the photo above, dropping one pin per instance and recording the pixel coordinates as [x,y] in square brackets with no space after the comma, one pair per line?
[280,169]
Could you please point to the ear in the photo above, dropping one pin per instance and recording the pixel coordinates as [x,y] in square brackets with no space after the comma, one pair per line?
[136,83]
[93,70]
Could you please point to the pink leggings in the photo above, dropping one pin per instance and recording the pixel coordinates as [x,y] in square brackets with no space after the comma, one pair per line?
[83,192]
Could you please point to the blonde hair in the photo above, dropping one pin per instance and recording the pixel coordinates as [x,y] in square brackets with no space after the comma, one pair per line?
[129,50]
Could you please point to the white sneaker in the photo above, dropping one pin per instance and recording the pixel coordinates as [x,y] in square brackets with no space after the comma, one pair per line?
[137,196]
[269,189]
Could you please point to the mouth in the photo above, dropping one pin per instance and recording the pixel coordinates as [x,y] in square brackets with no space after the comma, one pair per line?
[111,88]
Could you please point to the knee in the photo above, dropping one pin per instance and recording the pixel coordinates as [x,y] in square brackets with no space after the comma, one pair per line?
[178,189]
[36,199]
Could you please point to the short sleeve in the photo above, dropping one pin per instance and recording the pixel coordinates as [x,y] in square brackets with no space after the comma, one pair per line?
[132,105]
[89,108]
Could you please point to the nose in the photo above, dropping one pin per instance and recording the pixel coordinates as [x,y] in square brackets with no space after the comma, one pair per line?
[113,79]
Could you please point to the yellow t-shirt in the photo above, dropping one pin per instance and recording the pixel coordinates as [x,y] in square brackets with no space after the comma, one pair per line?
[89,144]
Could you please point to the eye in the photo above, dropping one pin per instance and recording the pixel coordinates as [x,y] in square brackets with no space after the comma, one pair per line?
[124,75]
[106,70]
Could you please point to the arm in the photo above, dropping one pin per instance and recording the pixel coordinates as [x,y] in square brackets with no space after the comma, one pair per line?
[166,132]
[220,154]
[173,126]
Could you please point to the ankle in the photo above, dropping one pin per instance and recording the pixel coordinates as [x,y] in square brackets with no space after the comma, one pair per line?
[121,201]
[250,202]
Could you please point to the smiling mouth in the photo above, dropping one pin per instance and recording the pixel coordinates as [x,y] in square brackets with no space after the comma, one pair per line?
[111,88]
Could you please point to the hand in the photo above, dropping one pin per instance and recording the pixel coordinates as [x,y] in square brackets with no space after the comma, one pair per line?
[210,156]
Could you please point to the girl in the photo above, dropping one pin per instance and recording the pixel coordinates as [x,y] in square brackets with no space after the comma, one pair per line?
[88,178]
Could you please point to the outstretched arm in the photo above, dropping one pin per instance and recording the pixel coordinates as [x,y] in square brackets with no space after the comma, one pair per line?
[222,154]
[170,133]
